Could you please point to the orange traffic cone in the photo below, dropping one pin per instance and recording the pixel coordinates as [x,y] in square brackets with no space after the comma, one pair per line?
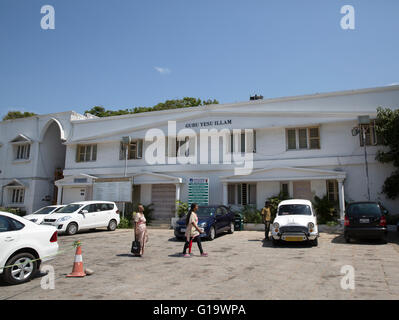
[77,270]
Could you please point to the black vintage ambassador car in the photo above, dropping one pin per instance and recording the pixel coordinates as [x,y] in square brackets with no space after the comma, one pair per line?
[365,220]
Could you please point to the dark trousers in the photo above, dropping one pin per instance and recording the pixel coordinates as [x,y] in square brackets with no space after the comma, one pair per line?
[196,239]
[267,227]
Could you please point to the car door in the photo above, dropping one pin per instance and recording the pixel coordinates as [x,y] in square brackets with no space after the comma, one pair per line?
[103,214]
[88,219]
[9,238]
[226,219]
[219,223]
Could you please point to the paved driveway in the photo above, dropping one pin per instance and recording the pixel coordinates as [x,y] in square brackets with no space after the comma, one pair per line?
[239,266]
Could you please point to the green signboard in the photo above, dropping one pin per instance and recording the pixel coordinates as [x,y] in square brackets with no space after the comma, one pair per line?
[198,191]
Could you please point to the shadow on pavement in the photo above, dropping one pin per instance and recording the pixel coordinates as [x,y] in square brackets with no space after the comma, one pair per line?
[393,237]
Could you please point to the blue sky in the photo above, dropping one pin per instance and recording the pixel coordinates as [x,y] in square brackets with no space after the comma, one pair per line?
[128,53]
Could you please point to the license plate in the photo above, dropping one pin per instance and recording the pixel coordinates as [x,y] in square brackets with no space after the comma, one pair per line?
[183,229]
[364,220]
[293,239]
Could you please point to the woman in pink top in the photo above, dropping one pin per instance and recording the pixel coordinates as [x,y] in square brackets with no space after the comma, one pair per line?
[193,231]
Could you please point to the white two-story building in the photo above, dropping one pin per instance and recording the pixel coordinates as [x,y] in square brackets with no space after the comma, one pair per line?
[302,145]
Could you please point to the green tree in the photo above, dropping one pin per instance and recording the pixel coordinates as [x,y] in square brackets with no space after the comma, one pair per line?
[387,126]
[185,102]
[17,115]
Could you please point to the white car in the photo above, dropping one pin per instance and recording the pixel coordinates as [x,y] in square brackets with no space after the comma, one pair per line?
[295,221]
[38,216]
[84,215]
[23,246]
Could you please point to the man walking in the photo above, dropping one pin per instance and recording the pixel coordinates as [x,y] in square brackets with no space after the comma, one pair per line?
[267,216]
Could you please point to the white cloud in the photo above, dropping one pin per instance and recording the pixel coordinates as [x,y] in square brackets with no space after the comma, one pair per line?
[394,84]
[162,70]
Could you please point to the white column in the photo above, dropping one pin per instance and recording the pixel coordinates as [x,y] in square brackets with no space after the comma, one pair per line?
[178,187]
[59,194]
[341,192]
[225,199]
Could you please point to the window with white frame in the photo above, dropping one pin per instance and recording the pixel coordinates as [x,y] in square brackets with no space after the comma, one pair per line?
[134,151]
[17,195]
[372,138]
[303,138]
[86,153]
[22,151]
[332,190]
[241,194]
[243,142]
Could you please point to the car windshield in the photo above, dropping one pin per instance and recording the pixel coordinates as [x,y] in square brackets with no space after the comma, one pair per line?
[70,208]
[45,210]
[364,209]
[205,211]
[294,209]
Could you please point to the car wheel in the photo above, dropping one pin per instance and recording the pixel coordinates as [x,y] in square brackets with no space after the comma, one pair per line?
[314,242]
[275,242]
[212,234]
[231,228]
[71,229]
[112,225]
[23,268]
[347,240]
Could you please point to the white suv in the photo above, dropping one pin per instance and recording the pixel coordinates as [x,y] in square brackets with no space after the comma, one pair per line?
[85,215]
[24,245]
[295,221]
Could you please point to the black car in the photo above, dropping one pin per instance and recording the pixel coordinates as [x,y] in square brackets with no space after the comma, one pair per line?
[214,220]
[365,220]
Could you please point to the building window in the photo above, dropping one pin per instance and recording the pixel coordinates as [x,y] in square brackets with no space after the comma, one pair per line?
[285,189]
[303,138]
[241,194]
[17,195]
[332,190]
[246,142]
[182,148]
[85,153]
[135,150]
[22,151]
[372,138]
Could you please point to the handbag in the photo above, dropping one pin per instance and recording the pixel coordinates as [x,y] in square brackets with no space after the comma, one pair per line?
[136,245]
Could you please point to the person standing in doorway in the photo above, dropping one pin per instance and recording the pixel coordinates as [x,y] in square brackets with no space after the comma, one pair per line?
[267,217]
[140,228]
[193,231]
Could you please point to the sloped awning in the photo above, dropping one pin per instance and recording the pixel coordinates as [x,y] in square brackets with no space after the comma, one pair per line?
[76,180]
[15,183]
[21,139]
[155,178]
[286,174]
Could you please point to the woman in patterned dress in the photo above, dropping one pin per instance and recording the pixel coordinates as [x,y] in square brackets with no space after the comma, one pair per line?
[140,228]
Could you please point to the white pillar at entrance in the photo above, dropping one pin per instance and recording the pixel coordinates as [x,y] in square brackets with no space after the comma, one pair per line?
[225,199]
[178,186]
[59,194]
[341,192]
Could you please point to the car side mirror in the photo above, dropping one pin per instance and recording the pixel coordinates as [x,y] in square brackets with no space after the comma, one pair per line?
[84,212]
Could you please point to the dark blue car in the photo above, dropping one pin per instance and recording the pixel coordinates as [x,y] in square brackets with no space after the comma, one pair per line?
[214,220]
